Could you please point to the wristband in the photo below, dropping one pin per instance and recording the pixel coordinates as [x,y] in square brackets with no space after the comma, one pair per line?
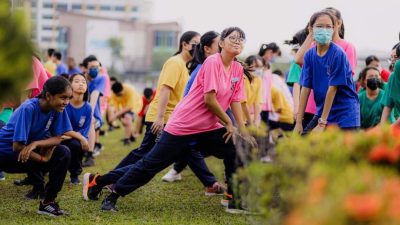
[322,121]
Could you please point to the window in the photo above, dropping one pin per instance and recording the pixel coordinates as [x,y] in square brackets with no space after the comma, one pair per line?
[34,4]
[48,5]
[76,6]
[120,8]
[47,28]
[62,7]
[105,8]
[91,7]
[48,17]
[165,39]
[46,39]
[135,9]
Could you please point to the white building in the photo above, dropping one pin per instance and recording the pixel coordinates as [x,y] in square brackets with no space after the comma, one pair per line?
[45,15]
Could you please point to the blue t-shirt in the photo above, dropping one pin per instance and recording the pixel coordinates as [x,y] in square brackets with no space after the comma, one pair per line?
[74,71]
[80,118]
[29,124]
[98,84]
[193,76]
[332,69]
[62,68]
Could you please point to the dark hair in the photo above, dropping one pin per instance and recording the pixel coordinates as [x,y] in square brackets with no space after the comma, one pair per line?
[371,58]
[50,51]
[249,61]
[88,59]
[316,15]
[336,13]
[148,92]
[271,46]
[199,55]
[185,38]
[58,55]
[54,85]
[113,79]
[278,72]
[65,75]
[225,33]
[86,94]
[298,38]
[117,87]
[363,73]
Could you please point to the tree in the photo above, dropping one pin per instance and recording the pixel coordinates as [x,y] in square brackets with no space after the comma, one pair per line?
[116,46]
[15,53]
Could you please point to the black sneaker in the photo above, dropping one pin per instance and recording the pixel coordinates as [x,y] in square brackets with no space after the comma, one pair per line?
[23,182]
[89,162]
[126,141]
[36,193]
[51,209]
[90,189]
[75,180]
[109,202]
[132,139]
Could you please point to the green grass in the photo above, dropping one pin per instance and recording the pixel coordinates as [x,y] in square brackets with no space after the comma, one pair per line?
[157,202]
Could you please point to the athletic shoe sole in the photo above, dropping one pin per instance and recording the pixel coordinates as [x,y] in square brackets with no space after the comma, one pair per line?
[45,213]
[212,194]
[85,186]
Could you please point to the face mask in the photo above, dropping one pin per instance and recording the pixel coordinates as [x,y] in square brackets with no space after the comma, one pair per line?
[191,51]
[373,83]
[93,72]
[258,72]
[323,36]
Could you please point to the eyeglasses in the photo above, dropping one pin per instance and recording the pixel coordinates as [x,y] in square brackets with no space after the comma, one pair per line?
[235,39]
[323,26]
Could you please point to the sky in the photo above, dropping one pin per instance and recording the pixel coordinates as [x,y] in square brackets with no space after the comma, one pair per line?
[371,25]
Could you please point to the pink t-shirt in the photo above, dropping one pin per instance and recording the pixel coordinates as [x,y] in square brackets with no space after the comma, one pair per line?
[191,115]
[266,91]
[39,78]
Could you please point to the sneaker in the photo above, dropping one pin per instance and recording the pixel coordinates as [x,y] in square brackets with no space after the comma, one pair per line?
[22,182]
[51,209]
[132,138]
[126,141]
[2,177]
[216,189]
[109,202]
[90,190]
[98,146]
[96,152]
[36,193]
[75,180]
[266,159]
[171,176]
[227,198]
[89,162]
[236,210]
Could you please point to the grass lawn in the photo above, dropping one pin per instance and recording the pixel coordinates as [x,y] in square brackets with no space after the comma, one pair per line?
[158,202]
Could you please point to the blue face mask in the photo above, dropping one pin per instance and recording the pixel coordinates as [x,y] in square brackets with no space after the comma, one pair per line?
[93,72]
[323,36]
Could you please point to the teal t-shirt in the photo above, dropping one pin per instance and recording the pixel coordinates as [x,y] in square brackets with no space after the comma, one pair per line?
[294,74]
[371,110]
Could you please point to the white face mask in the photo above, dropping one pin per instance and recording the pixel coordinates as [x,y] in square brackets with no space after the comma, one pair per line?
[258,72]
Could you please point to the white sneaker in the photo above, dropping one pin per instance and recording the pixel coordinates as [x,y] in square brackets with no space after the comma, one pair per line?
[171,176]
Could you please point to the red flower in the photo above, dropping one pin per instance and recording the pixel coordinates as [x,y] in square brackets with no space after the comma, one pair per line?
[363,207]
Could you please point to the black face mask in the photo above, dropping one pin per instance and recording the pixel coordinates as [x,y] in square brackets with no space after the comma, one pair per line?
[191,52]
[373,83]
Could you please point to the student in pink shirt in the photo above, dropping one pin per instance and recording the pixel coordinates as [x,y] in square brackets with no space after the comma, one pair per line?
[218,85]
[38,79]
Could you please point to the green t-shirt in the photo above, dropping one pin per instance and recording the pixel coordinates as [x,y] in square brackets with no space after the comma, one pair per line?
[294,74]
[371,110]
[5,114]
[392,103]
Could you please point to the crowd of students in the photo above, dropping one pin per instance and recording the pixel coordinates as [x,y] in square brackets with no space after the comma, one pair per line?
[203,103]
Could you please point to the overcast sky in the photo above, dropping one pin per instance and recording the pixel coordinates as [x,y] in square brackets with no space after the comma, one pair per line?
[370,24]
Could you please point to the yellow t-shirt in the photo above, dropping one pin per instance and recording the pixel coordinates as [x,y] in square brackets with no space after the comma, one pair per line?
[253,93]
[50,66]
[279,102]
[129,98]
[175,75]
